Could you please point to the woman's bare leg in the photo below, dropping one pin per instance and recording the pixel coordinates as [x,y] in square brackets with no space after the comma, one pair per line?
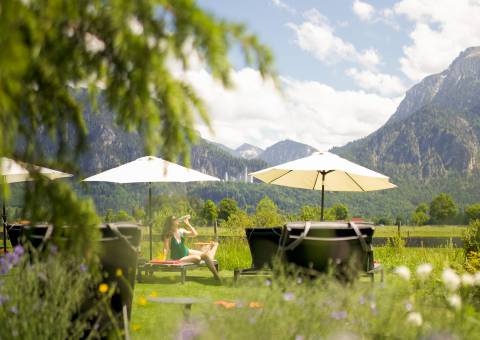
[196,256]
[194,252]
[191,259]
[213,250]
[210,265]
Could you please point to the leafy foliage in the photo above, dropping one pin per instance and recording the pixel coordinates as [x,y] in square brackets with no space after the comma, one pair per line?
[210,211]
[473,212]
[227,207]
[266,214]
[121,51]
[442,208]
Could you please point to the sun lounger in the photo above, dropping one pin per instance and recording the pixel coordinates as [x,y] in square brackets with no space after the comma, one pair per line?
[314,247]
[264,244]
[344,247]
[149,267]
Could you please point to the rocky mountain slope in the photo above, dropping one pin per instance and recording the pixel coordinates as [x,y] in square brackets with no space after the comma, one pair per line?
[248,151]
[285,151]
[435,130]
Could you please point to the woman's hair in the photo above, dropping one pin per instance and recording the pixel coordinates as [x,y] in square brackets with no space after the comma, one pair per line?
[168,227]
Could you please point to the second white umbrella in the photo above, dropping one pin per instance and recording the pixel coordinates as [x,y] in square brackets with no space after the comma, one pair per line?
[324,171]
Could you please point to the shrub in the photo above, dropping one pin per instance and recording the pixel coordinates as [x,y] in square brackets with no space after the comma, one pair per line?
[419,218]
[266,214]
[473,212]
[471,246]
[226,207]
[340,211]
[239,219]
[443,208]
[44,297]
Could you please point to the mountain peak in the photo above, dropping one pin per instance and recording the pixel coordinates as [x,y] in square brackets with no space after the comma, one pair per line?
[285,151]
[436,128]
[455,87]
[248,151]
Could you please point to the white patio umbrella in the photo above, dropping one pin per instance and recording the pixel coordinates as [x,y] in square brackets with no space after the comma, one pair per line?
[147,170]
[13,172]
[324,171]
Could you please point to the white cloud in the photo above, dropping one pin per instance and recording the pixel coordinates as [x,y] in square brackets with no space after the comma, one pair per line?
[310,112]
[384,84]
[363,10]
[284,6]
[316,36]
[367,13]
[442,29]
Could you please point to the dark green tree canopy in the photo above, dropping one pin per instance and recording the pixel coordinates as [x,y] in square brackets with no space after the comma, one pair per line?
[121,50]
[442,208]
[340,211]
[210,211]
[227,207]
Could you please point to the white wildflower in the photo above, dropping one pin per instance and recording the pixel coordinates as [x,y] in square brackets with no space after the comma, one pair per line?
[93,44]
[455,301]
[476,277]
[468,280]
[424,271]
[151,41]
[415,319]
[403,272]
[451,279]
[135,26]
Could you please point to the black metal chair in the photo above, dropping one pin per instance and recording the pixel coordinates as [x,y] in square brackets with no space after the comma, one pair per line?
[313,248]
[264,244]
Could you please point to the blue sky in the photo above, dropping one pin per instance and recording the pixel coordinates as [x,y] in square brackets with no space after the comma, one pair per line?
[344,65]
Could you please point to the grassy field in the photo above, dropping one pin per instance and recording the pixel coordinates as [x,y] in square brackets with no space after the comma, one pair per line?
[151,320]
[423,231]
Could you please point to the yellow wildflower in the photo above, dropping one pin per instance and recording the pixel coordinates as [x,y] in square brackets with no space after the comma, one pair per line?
[142,301]
[103,288]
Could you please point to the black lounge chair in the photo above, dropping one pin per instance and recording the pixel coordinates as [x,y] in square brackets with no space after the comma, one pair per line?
[119,248]
[317,247]
[344,247]
[264,244]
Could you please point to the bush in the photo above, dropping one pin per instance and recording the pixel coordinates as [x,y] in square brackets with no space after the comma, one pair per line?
[419,218]
[266,214]
[44,297]
[226,207]
[471,246]
[340,211]
[239,219]
[473,212]
[443,209]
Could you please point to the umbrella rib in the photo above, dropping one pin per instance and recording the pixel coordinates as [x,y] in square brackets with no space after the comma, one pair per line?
[273,180]
[316,180]
[354,181]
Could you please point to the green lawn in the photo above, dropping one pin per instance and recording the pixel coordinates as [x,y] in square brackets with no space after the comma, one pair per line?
[151,320]
[423,231]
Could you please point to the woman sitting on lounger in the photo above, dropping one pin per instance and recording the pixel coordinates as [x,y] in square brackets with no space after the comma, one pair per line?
[174,243]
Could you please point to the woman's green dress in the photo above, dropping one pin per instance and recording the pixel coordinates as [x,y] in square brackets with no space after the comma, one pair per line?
[178,250]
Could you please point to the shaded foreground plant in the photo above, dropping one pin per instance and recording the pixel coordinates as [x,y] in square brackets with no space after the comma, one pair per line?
[43,296]
[408,306]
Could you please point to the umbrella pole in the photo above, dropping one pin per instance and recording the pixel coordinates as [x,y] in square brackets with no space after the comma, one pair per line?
[323,194]
[150,217]
[4,217]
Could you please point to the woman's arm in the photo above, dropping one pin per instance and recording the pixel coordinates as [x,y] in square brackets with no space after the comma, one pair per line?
[192,232]
[166,247]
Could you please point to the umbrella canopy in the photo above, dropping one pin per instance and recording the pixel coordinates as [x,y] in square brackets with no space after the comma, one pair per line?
[13,172]
[150,169]
[147,170]
[324,171]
